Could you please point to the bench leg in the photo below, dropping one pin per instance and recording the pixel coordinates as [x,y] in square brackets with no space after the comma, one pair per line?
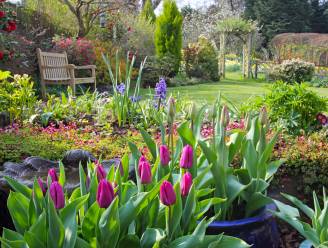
[43,91]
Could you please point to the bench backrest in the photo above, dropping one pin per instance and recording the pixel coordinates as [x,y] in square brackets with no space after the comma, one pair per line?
[53,66]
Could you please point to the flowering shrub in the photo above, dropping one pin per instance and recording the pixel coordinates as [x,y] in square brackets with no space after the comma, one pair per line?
[80,51]
[201,60]
[293,71]
[7,25]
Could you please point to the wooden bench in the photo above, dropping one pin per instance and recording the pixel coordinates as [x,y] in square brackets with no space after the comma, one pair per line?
[54,69]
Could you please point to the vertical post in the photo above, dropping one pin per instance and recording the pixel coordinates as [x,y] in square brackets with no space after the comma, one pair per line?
[247,53]
[222,55]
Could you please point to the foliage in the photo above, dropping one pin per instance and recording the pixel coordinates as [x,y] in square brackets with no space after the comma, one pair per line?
[236,26]
[7,25]
[148,12]
[233,66]
[101,222]
[293,71]
[319,81]
[314,232]
[201,60]
[294,107]
[156,68]
[79,51]
[124,106]
[17,96]
[280,16]
[305,162]
[168,33]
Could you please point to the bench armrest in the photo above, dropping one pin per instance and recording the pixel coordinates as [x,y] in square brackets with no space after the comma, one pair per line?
[83,67]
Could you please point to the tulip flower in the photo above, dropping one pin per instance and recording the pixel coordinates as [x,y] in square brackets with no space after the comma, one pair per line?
[41,184]
[105,194]
[57,195]
[186,160]
[144,171]
[167,194]
[142,159]
[101,173]
[185,184]
[225,119]
[164,155]
[264,116]
[53,175]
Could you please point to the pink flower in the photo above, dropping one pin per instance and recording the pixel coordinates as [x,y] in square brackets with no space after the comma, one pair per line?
[105,194]
[57,195]
[167,194]
[187,156]
[53,175]
[144,172]
[185,184]
[164,155]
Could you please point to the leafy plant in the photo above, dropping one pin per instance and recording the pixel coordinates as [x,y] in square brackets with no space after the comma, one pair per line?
[315,231]
[293,71]
[100,213]
[290,102]
[17,96]
[123,107]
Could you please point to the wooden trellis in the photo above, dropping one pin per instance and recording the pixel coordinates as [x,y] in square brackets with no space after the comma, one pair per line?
[242,29]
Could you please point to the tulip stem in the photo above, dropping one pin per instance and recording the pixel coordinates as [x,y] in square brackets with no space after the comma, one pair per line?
[168,223]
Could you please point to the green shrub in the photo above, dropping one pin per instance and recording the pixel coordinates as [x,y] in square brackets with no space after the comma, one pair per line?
[17,96]
[156,68]
[306,162]
[148,12]
[293,71]
[292,106]
[168,33]
[201,60]
[320,81]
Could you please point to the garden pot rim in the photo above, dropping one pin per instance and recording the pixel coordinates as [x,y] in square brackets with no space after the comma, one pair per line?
[264,215]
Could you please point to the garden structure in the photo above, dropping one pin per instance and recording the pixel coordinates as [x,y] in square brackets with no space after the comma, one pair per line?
[177,146]
[54,70]
[242,29]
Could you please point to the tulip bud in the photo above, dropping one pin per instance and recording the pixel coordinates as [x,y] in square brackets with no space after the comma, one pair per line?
[167,194]
[41,184]
[142,159]
[53,175]
[185,184]
[193,111]
[171,110]
[187,156]
[101,173]
[57,195]
[105,194]
[225,116]
[264,115]
[144,172]
[164,155]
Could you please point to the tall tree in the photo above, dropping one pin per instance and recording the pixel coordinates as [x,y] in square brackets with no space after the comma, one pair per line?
[168,32]
[319,17]
[281,16]
[86,12]
[148,12]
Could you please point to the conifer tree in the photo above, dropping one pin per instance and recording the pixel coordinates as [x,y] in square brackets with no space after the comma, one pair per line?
[148,12]
[168,33]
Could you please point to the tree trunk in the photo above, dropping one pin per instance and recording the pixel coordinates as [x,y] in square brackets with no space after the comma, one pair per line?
[222,55]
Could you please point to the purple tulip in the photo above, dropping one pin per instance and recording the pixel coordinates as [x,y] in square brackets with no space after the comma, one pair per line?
[164,155]
[105,194]
[142,159]
[53,175]
[187,156]
[57,195]
[167,194]
[144,171]
[101,173]
[185,184]
[41,184]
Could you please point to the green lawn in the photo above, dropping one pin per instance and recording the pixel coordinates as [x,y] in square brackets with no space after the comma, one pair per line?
[233,87]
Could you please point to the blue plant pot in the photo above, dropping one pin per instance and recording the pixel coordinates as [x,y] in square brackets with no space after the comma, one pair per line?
[259,231]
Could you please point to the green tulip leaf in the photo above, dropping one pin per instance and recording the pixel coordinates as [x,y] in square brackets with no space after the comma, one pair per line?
[151,236]
[18,187]
[18,206]
[108,230]
[90,221]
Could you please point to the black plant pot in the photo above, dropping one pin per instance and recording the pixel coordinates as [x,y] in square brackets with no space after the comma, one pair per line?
[259,231]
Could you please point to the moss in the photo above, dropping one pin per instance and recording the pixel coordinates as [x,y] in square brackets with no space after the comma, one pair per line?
[16,146]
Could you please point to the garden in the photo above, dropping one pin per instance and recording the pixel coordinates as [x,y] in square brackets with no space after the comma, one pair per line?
[157,123]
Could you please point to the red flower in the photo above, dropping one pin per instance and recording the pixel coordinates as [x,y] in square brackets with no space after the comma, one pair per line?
[1,55]
[12,25]
[2,14]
